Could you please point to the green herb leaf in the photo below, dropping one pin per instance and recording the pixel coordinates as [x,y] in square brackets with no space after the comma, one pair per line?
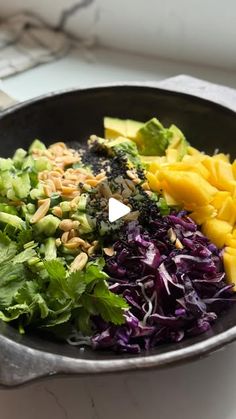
[24,256]
[27,293]
[41,304]
[14,312]
[102,301]
[76,284]
[23,237]
[83,320]
[12,279]
[59,319]
[55,269]
[8,249]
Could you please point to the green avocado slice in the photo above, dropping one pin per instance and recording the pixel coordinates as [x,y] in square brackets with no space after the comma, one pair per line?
[153,139]
[115,127]
[178,141]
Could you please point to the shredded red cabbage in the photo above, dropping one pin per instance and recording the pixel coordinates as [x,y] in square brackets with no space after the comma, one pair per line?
[172,278]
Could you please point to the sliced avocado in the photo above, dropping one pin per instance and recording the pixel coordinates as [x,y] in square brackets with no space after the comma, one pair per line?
[153,138]
[99,144]
[124,144]
[116,146]
[132,128]
[115,127]
[151,159]
[178,142]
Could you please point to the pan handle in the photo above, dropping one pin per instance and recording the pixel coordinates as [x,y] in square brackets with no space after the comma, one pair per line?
[21,364]
[6,101]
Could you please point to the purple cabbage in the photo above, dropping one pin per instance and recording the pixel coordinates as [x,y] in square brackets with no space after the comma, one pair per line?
[173,280]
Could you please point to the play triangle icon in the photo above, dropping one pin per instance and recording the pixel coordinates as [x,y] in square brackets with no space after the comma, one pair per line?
[116,210]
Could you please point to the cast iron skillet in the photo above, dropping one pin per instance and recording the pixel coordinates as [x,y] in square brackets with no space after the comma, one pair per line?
[73,116]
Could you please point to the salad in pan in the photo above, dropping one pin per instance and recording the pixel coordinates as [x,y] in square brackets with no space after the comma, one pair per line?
[163,272]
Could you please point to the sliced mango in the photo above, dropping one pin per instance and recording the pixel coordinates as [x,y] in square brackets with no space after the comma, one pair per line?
[221,156]
[225,177]
[230,242]
[189,167]
[153,182]
[195,159]
[193,151]
[169,199]
[234,168]
[187,188]
[154,167]
[227,212]
[231,250]
[210,165]
[216,230]
[202,214]
[171,155]
[234,233]
[153,163]
[219,199]
[230,268]
[204,185]
[228,209]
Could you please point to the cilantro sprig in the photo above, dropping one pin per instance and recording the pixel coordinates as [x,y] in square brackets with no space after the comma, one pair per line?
[52,295]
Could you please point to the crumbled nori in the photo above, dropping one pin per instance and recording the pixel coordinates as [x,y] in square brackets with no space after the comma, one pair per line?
[97,159]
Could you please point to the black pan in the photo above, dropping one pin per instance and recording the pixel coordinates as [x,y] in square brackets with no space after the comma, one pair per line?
[73,116]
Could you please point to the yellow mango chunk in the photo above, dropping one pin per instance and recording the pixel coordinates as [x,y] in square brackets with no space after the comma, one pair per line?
[230,268]
[154,167]
[153,182]
[219,199]
[193,151]
[234,168]
[171,155]
[220,173]
[233,192]
[234,233]
[210,165]
[153,162]
[227,212]
[228,237]
[152,159]
[190,167]
[225,177]
[230,242]
[202,214]
[221,156]
[216,230]
[231,250]
[186,188]
[169,199]
[193,160]
[201,170]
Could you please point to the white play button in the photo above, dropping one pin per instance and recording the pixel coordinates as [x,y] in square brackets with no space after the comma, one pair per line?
[116,210]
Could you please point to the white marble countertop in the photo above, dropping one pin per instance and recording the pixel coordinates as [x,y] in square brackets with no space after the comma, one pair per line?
[89,67]
[201,390]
